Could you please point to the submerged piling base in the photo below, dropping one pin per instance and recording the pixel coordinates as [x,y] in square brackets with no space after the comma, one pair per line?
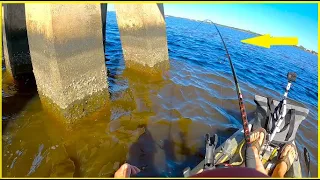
[79,109]
[143,36]
[154,71]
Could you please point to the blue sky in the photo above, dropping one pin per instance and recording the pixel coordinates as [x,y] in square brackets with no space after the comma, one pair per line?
[298,20]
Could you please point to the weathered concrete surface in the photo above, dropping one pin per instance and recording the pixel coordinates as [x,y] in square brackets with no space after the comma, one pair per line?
[15,40]
[67,53]
[143,35]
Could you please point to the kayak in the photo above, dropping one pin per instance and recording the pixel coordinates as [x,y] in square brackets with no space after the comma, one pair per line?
[281,120]
[232,151]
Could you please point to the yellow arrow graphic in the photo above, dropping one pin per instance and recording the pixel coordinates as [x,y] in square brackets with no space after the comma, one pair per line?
[267,41]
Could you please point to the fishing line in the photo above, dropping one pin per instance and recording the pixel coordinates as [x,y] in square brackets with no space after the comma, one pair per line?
[220,60]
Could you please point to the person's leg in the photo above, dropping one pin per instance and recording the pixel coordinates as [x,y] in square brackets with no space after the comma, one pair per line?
[260,137]
[282,167]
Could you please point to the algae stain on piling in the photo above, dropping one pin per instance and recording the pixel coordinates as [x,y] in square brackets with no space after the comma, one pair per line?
[78,109]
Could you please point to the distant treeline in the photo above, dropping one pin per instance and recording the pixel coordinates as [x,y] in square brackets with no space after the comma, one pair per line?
[307,50]
[248,31]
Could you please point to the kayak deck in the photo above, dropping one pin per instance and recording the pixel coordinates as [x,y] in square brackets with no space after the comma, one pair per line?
[229,151]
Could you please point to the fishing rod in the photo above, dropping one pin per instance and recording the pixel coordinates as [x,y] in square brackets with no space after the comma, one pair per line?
[240,97]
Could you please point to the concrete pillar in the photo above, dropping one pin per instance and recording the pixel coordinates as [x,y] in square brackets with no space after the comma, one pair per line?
[15,40]
[143,36]
[66,47]
[103,19]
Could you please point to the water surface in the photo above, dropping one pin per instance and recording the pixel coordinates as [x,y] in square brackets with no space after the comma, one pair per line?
[158,123]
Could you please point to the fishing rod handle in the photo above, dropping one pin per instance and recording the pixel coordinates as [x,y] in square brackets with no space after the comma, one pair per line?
[287,90]
[284,104]
[283,113]
[278,124]
[276,129]
[244,119]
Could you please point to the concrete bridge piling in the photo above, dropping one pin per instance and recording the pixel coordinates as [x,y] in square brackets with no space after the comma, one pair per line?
[103,19]
[68,56]
[63,45]
[143,36]
[15,40]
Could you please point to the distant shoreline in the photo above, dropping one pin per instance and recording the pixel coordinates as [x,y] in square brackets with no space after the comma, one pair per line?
[248,31]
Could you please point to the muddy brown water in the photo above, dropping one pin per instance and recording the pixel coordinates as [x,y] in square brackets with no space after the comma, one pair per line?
[37,144]
[151,125]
